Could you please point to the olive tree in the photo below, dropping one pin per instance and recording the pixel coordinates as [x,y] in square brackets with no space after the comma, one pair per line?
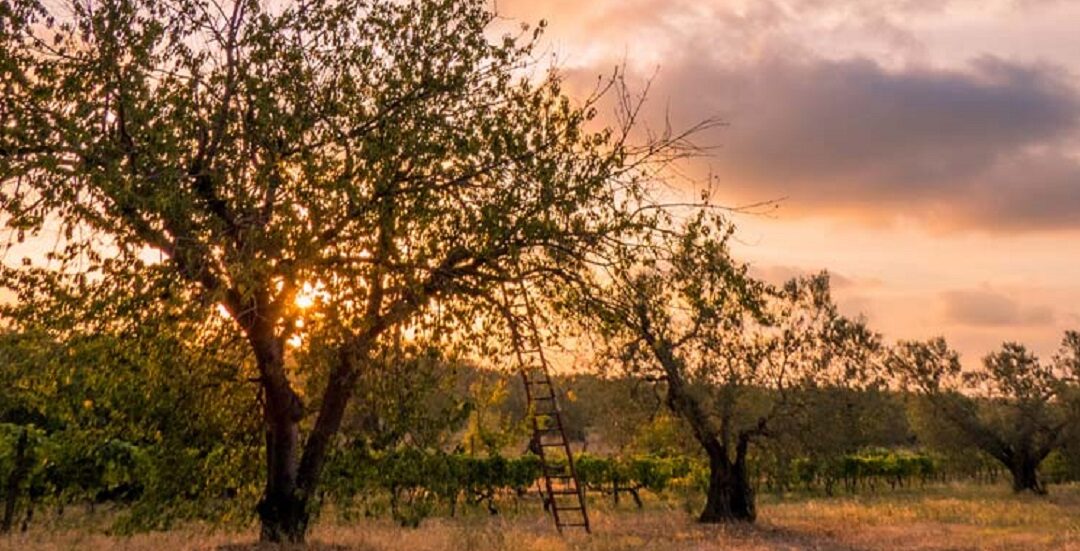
[1016,408]
[733,354]
[391,157]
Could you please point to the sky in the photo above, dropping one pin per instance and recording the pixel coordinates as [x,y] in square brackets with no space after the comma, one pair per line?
[926,152]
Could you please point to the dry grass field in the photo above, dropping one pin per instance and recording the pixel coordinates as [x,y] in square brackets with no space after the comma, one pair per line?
[936,518]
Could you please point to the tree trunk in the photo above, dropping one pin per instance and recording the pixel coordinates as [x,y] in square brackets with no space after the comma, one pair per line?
[292,478]
[1026,476]
[730,497]
[19,472]
[283,509]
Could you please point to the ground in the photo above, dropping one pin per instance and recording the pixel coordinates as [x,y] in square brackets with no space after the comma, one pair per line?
[938,518]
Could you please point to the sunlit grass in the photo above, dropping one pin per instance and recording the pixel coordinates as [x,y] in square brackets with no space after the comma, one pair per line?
[933,518]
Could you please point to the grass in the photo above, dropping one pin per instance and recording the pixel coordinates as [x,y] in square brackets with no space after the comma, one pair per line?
[935,518]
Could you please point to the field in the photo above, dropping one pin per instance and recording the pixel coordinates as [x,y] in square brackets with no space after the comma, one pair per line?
[937,518]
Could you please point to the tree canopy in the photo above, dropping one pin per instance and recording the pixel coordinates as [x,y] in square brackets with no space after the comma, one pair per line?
[390,156]
[1016,408]
[734,354]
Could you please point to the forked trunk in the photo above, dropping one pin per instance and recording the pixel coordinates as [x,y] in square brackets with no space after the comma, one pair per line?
[730,497]
[1025,476]
[284,511]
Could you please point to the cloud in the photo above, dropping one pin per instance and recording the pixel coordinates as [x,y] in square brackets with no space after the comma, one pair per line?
[848,292]
[778,275]
[861,125]
[652,30]
[983,308]
[986,146]
[875,110]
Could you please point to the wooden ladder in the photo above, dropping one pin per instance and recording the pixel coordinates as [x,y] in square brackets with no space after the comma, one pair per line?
[562,492]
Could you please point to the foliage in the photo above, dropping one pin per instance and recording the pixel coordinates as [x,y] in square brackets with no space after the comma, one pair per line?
[137,414]
[1016,409]
[395,158]
[410,398]
[735,356]
[415,479]
[895,468]
[490,427]
[632,472]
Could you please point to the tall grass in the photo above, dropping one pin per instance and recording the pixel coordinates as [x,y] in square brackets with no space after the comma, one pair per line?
[934,518]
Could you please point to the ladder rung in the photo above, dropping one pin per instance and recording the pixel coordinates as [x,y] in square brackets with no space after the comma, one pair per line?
[562,475]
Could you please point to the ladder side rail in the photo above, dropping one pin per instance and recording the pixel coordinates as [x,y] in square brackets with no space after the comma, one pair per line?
[530,318]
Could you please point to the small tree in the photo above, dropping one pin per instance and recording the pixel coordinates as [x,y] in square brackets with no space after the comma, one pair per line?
[832,422]
[156,384]
[730,352]
[1015,409]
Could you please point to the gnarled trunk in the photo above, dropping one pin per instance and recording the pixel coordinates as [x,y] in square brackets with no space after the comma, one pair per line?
[730,496]
[1025,475]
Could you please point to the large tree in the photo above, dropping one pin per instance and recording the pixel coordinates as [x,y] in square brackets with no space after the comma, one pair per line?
[734,356]
[1015,409]
[391,156]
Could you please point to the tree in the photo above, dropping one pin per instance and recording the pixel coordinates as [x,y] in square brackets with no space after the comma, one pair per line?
[21,409]
[832,422]
[387,156]
[1014,409]
[141,412]
[732,353]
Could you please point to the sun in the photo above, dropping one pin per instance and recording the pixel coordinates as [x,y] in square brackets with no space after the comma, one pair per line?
[309,295]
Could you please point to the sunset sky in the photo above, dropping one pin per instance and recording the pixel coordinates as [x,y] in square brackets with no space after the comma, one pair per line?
[928,150]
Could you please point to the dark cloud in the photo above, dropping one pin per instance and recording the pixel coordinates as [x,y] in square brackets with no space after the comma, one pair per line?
[992,145]
[987,308]
[984,147]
